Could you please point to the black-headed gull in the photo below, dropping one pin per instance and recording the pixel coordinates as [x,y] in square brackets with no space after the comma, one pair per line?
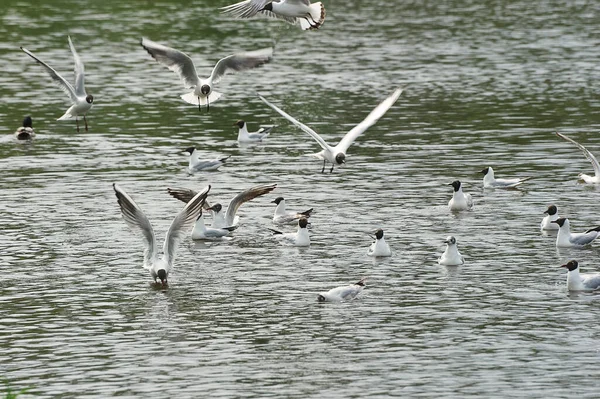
[337,155]
[139,223]
[251,137]
[586,178]
[282,216]
[26,131]
[459,201]
[451,256]
[379,247]
[489,180]
[580,282]
[309,16]
[225,219]
[182,65]
[196,164]
[201,232]
[82,102]
[345,293]
[551,216]
[300,238]
[565,238]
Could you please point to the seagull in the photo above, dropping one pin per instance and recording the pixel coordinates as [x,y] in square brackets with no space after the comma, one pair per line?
[547,221]
[309,16]
[201,232]
[489,181]
[281,216]
[451,256]
[137,221]
[586,178]
[581,282]
[337,155]
[197,165]
[565,238]
[230,218]
[245,137]
[379,247]
[299,238]
[182,65]
[460,201]
[347,292]
[82,102]
[26,131]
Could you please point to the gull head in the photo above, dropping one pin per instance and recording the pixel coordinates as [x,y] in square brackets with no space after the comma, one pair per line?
[190,150]
[450,240]
[89,99]
[455,184]
[216,208]
[340,158]
[321,298]
[551,210]
[205,89]
[302,223]
[277,200]
[28,122]
[162,275]
[560,221]
[571,265]
[239,124]
[485,171]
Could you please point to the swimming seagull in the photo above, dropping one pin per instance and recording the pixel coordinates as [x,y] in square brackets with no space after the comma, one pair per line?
[201,232]
[551,216]
[565,238]
[82,102]
[181,225]
[230,218]
[182,65]
[379,247]
[196,165]
[282,216]
[489,181]
[245,137]
[299,239]
[460,201]
[309,16]
[26,131]
[581,282]
[338,294]
[337,155]
[451,256]
[586,178]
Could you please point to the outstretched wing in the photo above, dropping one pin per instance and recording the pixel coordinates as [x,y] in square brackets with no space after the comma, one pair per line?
[240,62]
[302,126]
[59,80]
[79,71]
[245,196]
[587,154]
[245,9]
[138,222]
[182,224]
[175,60]
[369,121]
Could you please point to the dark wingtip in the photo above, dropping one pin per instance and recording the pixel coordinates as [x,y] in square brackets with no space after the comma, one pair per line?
[307,213]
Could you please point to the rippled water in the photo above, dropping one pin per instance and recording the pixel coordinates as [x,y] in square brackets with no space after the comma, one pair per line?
[487,84]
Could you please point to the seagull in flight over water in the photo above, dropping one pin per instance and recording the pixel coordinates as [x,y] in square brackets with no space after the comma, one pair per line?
[82,102]
[182,65]
[337,155]
[309,16]
[586,178]
[139,223]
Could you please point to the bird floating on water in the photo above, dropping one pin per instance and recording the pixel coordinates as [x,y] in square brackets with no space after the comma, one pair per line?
[26,131]
[459,201]
[300,238]
[379,247]
[201,232]
[580,282]
[196,164]
[565,238]
[551,216]
[282,216]
[301,12]
[451,256]
[344,293]
[489,180]
[245,137]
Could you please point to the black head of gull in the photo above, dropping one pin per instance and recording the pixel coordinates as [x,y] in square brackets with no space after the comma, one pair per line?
[559,221]
[162,275]
[277,200]
[216,208]
[302,223]
[190,150]
[340,158]
[321,298]
[89,99]
[240,124]
[379,234]
[450,240]
[205,89]
[455,184]
[571,265]
[551,210]
[28,122]
[485,171]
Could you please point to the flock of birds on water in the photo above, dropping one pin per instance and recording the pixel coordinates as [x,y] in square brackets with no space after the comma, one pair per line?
[308,16]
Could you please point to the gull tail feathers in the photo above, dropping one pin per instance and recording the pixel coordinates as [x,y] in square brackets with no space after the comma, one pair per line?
[315,18]
[275,232]
[192,98]
[65,117]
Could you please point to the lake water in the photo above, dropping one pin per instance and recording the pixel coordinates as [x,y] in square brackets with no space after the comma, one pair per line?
[487,84]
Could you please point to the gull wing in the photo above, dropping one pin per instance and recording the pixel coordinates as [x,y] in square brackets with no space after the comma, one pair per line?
[245,196]
[587,154]
[175,60]
[369,121]
[302,126]
[240,62]
[182,224]
[185,195]
[245,9]
[584,238]
[59,80]
[591,280]
[79,72]
[138,222]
